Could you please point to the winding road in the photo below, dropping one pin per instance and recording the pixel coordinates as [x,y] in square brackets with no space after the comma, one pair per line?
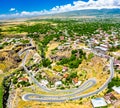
[73,93]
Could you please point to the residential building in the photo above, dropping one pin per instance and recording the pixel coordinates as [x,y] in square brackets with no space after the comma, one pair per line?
[110,98]
[44,82]
[117,89]
[98,102]
[58,83]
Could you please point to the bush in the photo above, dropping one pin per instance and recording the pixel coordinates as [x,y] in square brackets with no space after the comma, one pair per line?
[1,46]
[90,56]
[14,80]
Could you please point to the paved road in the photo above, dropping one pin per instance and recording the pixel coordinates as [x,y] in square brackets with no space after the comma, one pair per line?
[88,84]
[75,92]
[44,98]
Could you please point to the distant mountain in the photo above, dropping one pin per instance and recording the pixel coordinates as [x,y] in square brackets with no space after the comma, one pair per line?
[91,12]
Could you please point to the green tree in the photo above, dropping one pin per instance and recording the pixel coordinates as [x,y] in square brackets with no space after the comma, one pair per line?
[46,62]
[74,51]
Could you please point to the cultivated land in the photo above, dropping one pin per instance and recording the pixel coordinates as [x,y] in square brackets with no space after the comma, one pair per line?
[54,58]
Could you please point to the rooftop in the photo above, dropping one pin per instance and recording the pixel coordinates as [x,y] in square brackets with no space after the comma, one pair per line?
[117,89]
[101,48]
[98,102]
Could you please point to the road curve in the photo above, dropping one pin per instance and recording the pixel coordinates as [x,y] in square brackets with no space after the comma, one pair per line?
[44,98]
[75,92]
[88,84]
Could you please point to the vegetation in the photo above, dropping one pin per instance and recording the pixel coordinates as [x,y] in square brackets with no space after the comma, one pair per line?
[68,80]
[46,62]
[90,56]
[6,87]
[115,82]
[1,96]
[43,34]
[1,46]
[113,48]
[77,56]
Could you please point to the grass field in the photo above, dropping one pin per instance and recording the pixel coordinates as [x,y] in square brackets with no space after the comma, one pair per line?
[1,94]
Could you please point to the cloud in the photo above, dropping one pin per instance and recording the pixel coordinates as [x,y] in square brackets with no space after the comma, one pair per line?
[12,9]
[76,5]
[91,4]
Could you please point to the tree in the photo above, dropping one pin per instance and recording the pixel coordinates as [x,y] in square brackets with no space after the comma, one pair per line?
[73,74]
[80,51]
[64,61]
[74,64]
[46,62]
[73,57]
[74,51]
[14,80]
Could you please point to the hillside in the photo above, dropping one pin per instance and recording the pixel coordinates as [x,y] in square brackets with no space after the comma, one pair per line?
[92,12]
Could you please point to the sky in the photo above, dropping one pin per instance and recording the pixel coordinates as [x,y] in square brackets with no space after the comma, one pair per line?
[20,8]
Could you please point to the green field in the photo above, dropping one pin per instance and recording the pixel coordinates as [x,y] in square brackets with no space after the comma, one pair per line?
[1,94]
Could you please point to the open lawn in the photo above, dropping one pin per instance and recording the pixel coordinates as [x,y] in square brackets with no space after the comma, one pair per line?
[51,46]
[49,73]
[2,66]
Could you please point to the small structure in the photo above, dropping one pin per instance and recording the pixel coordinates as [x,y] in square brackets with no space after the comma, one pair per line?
[56,58]
[58,83]
[36,58]
[104,46]
[60,47]
[77,41]
[17,59]
[44,82]
[110,98]
[98,102]
[43,74]
[23,79]
[65,75]
[117,89]
[78,83]
[65,69]
[116,43]
[62,38]
[100,49]
[117,63]
[75,80]
[67,43]
[1,71]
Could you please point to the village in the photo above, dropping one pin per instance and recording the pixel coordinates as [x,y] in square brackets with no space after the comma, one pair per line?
[65,63]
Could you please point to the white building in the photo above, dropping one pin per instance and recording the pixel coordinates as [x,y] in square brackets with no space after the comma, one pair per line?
[60,47]
[103,45]
[100,49]
[117,89]
[36,58]
[58,83]
[98,102]
[44,82]
[79,83]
